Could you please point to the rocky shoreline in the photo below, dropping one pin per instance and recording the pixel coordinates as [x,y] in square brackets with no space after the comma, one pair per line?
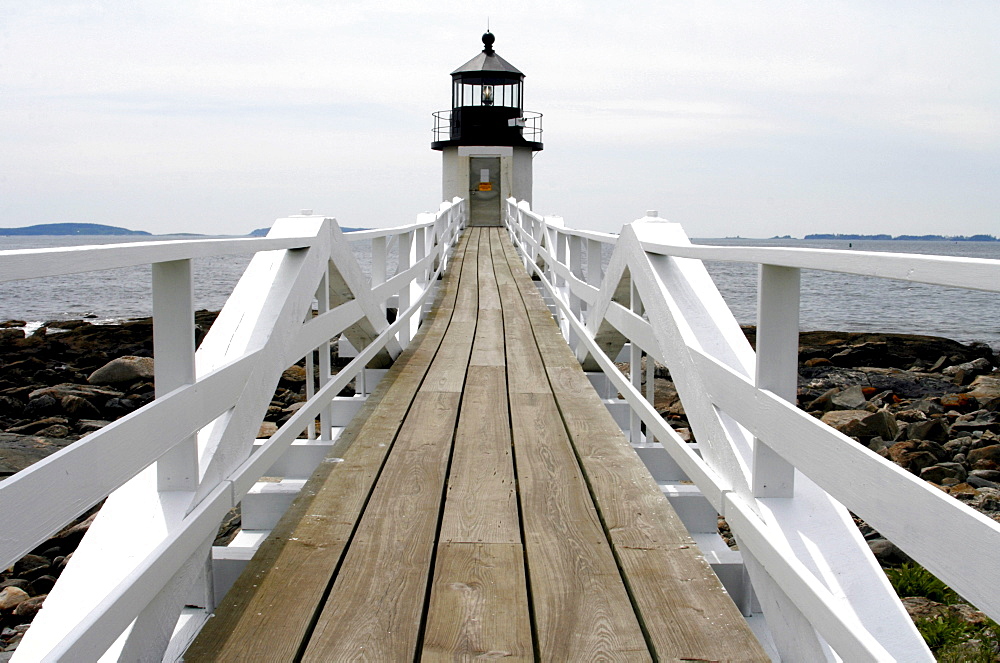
[929,404]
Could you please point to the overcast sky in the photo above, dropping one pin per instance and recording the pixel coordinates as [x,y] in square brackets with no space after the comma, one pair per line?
[733,118]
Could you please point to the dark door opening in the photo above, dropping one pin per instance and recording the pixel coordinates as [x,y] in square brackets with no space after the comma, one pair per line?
[484,191]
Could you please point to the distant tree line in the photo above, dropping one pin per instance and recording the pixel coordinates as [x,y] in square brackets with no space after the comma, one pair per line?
[909,238]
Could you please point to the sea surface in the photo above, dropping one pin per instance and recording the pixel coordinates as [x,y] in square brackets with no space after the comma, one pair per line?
[829,301]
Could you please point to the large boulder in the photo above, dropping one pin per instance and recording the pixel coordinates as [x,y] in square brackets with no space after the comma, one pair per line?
[862,423]
[123,370]
[985,387]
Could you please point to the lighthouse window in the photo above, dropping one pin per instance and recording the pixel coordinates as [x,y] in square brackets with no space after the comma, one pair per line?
[485,92]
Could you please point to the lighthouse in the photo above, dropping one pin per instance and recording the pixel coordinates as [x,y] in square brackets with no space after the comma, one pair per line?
[487,139]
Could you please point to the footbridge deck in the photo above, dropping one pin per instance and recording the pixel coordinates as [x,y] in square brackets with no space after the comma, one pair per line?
[487,506]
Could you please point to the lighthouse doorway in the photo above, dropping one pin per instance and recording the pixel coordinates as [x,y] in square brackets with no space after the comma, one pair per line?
[484,191]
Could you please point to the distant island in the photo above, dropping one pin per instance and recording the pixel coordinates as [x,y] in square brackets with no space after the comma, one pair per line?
[70,229]
[906,238]
[59,229]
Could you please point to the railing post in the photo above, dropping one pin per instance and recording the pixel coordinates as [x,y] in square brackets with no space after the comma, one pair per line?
[322,306]
[777,368]
[405,261]
[574,247]
[173,356]
[379,258]
[635,367]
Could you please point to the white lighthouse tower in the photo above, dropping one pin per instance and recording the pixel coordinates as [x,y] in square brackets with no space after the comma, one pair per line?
[487,140]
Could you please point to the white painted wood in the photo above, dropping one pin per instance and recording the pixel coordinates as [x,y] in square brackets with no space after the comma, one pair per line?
[266,501]
[967,273]
[150,633]
[173,354]
[930,526]
[635,367]
[35,263]
[42,499]
[86,639]
[777,368]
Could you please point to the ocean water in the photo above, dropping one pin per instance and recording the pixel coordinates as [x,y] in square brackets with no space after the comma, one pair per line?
[829,301]
[844,302]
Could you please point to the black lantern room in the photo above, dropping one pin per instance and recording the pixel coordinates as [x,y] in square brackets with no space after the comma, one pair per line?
[487,95]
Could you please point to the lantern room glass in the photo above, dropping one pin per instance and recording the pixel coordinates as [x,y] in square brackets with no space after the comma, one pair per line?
[486,92]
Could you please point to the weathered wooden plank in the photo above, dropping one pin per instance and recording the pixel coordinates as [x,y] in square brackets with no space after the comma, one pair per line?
[684,609]
[451,362]
[582,611]
[377,600]
[260,614]
[479,605]
[488,348]
[489,294]
[525,371]
[686,612]
[481,501]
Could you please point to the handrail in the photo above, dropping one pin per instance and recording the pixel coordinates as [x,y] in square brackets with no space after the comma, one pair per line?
[19,264]
[966,273]
[171,470]
[780,477]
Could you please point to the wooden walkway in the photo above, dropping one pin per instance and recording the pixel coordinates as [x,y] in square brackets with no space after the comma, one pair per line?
[487,507]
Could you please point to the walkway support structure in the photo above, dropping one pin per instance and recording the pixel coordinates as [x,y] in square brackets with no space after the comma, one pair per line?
[146,576]
[785,482]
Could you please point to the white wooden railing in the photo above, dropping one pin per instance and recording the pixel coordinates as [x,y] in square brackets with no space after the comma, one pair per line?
[785,482]
[145,577]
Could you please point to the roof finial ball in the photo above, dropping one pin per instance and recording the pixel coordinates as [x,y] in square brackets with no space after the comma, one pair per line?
[488,40]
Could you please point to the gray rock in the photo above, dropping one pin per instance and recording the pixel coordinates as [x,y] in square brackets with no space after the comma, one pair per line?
[877,444]
[977,482]
[61,391]
[847,422]
[938,473]
[989,475]
[882,424]
[887,553]
[988,456]
[77,406]
[35,426]
[123,369]
[931,429]
[928,406]
[978,365]
[19,451]
[85,426]
[55,431]
[986,387]
[823,401]
[42,405]
[852,398]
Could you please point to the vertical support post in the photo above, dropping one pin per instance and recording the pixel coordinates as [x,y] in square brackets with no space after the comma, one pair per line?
[405,249]
[574,247]
[594,267]
[322,306]
[421,253]
[650,391]
[379,259]
[173,354]
[777,368]
[310,390]
[635,368]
